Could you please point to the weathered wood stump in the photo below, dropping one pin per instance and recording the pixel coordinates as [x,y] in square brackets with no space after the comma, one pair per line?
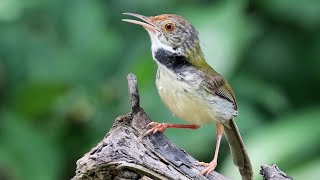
[124,153]
[273,173]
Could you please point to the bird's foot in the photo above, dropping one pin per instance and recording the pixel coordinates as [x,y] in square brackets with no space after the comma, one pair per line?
[209,167]
[156,127]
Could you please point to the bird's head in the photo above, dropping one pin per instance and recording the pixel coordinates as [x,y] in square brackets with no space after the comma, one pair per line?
[170,32]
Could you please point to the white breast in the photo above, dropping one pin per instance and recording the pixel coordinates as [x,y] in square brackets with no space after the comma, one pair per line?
[190,102]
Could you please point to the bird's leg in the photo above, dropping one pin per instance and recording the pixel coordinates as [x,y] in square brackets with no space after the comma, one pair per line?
[212,165]
[161,127]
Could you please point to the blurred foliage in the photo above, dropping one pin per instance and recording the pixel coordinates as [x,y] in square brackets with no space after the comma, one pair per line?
[62,80]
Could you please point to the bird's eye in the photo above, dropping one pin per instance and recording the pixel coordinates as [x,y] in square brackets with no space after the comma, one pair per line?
[169,26]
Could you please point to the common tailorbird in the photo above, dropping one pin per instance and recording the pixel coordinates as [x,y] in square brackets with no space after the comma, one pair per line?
[191,88]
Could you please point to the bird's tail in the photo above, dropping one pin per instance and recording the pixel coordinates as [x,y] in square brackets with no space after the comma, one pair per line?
[238,151]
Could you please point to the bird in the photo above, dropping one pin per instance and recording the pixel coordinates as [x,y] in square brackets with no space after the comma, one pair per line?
[190,88]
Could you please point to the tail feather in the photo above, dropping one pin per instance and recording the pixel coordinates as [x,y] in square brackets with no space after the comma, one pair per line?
[238,151]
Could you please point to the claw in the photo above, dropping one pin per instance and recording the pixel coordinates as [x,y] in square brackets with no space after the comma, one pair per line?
[155,130]
[156,127]
[151,124]
[161,127]
[209,167]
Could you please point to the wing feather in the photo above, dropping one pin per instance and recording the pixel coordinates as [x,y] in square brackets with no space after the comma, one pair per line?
[214,83]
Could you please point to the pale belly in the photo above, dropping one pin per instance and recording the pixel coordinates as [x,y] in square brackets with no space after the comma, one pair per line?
[189,103]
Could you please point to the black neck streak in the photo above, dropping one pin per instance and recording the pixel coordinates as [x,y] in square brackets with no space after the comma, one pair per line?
[171,60]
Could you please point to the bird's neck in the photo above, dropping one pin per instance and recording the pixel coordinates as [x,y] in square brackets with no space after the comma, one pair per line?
[179,59]
[171,60]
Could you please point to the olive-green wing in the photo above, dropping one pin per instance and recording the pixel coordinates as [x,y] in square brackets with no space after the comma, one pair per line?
[216,84]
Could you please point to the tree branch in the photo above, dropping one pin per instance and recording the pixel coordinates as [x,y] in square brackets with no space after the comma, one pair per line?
[124,153]
[273,173]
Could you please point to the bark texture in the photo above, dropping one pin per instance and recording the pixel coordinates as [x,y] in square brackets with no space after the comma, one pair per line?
[273,173]
[124,153]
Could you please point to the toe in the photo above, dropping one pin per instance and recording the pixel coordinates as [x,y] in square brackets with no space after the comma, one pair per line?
[148,132]
[155,130]
[156,127]
[203,163]
[210,167]
[152,124]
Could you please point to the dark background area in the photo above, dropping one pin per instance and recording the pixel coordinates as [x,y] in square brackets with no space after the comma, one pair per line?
[63,67]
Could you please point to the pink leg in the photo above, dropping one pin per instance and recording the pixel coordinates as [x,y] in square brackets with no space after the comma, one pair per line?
[212,165]
[161,127]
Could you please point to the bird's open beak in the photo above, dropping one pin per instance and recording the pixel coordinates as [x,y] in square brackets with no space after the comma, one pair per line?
[147,24]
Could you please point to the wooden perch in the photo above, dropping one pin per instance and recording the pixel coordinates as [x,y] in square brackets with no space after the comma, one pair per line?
[125,154]
[273,173]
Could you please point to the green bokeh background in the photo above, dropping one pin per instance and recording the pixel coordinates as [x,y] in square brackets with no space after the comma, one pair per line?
[63,67]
